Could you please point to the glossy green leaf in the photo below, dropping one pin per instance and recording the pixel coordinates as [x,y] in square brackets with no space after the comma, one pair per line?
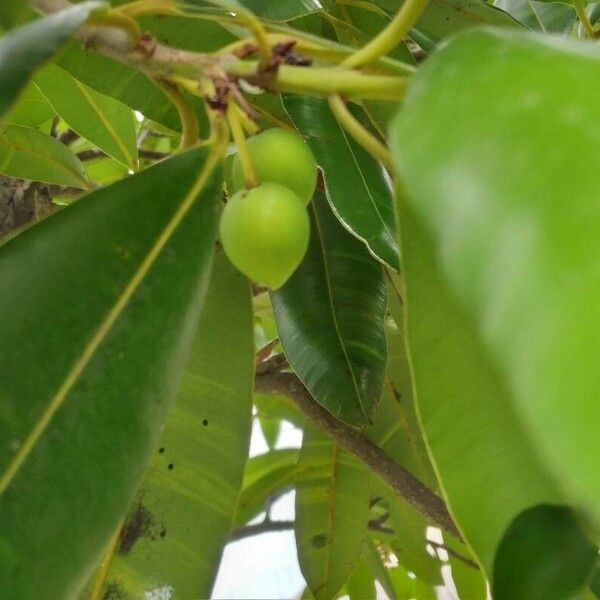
[543,556]
[265,475]
[27,153]
[498,259]
[548,17]
[330,319]
[125,84]
[355,183]
[190,491]
[332,511]
[26,48]
[72,456]
[100,119]
[31,108]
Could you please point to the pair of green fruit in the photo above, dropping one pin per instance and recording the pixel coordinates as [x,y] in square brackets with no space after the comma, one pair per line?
[265,230]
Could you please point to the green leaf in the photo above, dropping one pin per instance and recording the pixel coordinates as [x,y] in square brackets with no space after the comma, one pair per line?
[270,428]
[197,35]
[443,18]
[27,153]
[355,184]
[100,119]
[548,17]
[330,319]
[265,475]
[31,109]
[373,558]
[396,429]
[332,512]
[125,84]
[190,491]
[501,262]
[543,556]
[26,48]
[103,298]
[361,584]
[282,11]
[15,12]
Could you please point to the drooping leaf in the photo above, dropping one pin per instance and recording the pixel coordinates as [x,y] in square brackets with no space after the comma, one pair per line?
[26,48]
[332,511]
[107,290]
[330,319]
[355,184]
[31,109]
[189,493]
[502,256]
[100,119]
[266,475]
[543,556]
[125,84]
[27,153]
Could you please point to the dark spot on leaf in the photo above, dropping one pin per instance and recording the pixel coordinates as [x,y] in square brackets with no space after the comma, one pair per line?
[161,450]
[170,466]
[163,532]
[113,591]
[319,541]
[139,523]
[205,422]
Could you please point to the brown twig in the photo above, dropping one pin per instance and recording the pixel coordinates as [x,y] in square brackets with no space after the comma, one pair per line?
[455,554]
[142,153]
[401,481]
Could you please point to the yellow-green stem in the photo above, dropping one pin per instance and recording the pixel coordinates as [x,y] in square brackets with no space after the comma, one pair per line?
[389,37]
[190,130]
[240,141]
[366,139]
[583,17]
[324,81]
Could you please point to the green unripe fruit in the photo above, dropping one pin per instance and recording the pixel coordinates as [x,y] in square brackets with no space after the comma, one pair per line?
[265,232]
[280,156]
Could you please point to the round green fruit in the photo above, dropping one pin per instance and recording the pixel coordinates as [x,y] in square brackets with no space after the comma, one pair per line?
[265,232]
[280,156]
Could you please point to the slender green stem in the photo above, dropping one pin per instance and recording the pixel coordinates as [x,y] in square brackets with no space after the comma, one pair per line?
[583,17]
[367,140]
[391,36]
[190,130]
[240,141]
[323,81]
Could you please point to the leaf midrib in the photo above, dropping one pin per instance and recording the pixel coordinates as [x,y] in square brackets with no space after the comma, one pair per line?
[113,314]
[333,312]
